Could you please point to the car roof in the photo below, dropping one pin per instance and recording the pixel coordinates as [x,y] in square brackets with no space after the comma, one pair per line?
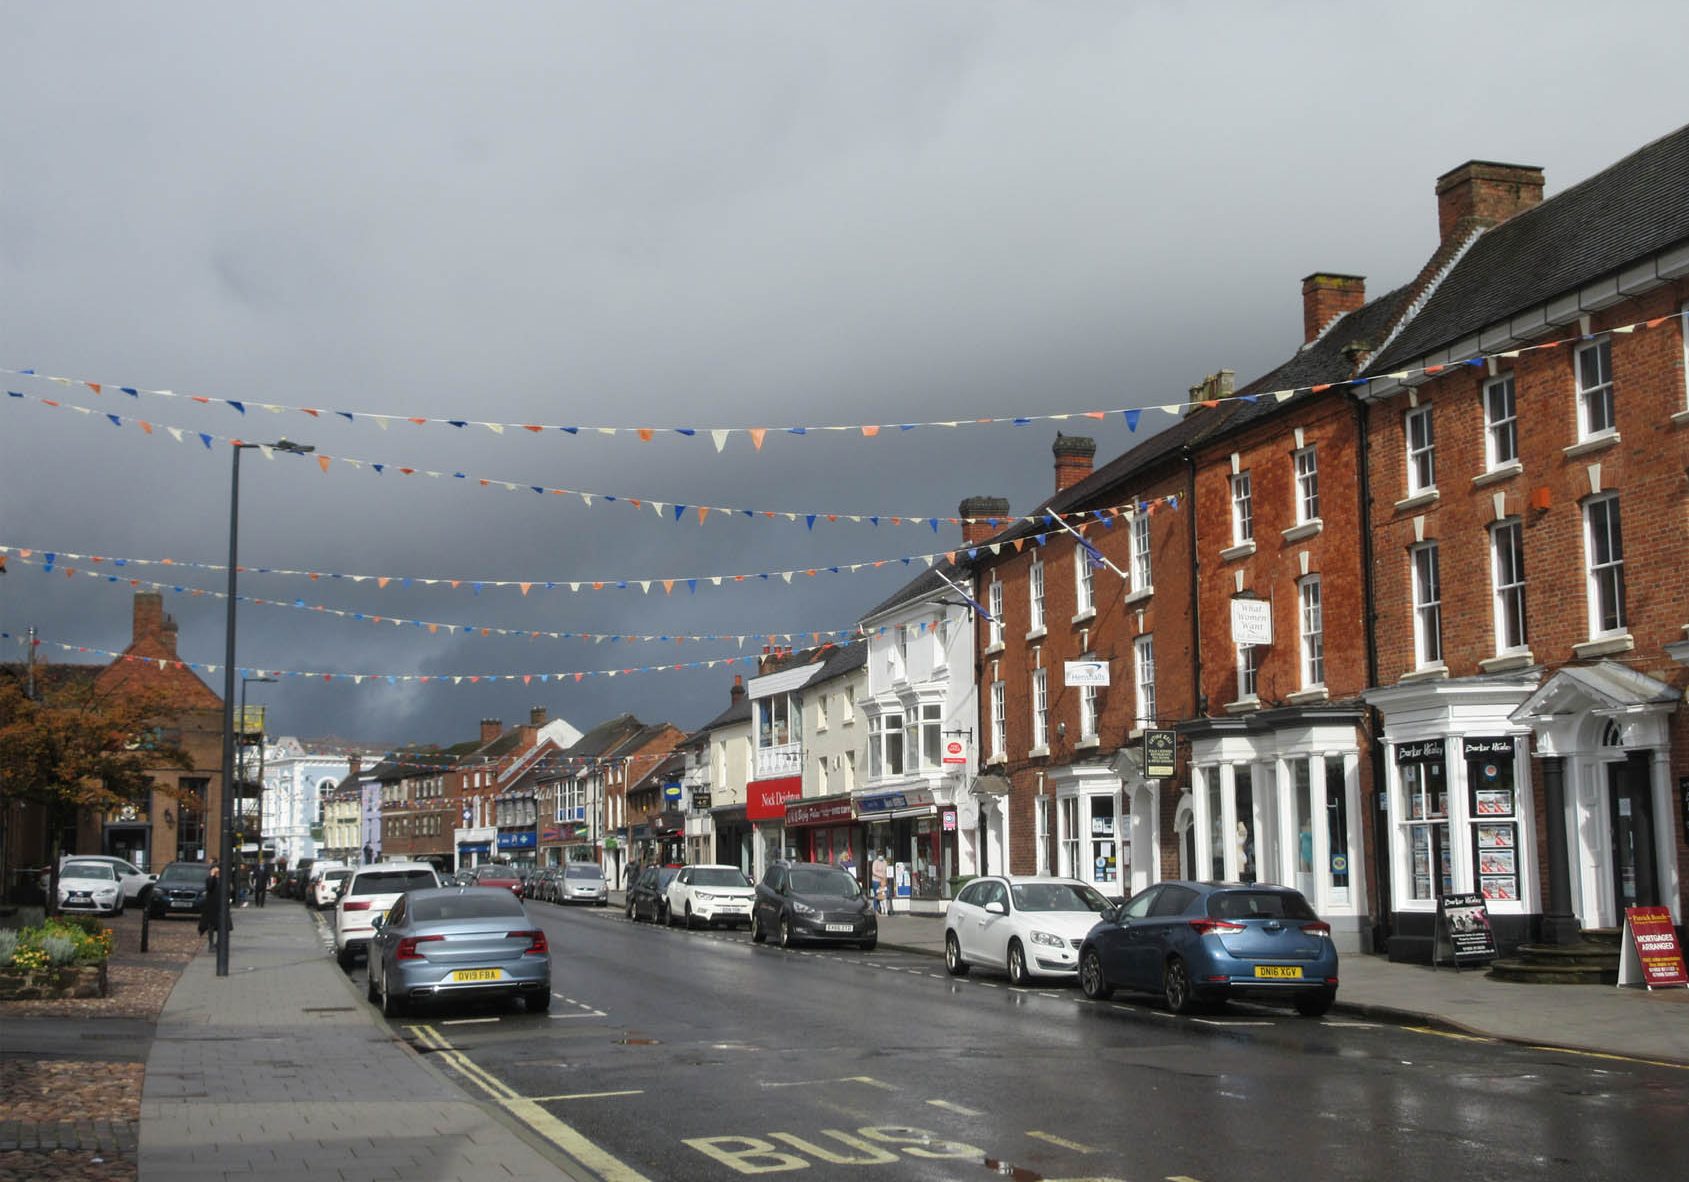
[445,891]
[710,866]
[1024,879]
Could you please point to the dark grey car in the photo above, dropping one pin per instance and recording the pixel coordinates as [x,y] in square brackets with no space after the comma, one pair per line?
[812,901]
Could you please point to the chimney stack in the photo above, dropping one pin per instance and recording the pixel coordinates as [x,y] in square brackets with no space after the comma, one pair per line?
[1074,455]
[153,625]
[536,716]
[982,517]
[354,765]
[1327,295]
[737,693]
[1481,193]
[491,728]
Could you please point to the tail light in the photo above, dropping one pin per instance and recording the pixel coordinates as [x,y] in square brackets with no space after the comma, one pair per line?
[407,947]
[1216,927]
[1318,928]
[536,942]
[354,905]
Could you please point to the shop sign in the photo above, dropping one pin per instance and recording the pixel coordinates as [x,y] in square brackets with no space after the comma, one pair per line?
[1252,622]
[1463,927]
[520,840]
[700,800]
[824,812]
[894,802]
[551,836]
[1087,673]
[949,821]
[767,798]
[1160,754]
[671,791]
[1652,955]
[1424,751]
[474,847]
[956,752]
[1499,748]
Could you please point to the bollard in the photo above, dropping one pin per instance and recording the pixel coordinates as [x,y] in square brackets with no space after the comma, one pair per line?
[146,920]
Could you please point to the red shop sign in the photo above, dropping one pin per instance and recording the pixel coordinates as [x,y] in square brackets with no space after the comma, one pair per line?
[825,812]
[1652,955]
[767,798]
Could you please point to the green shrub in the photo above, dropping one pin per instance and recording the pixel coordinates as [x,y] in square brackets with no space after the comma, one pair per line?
[59,941]
[60,950]
[8,945]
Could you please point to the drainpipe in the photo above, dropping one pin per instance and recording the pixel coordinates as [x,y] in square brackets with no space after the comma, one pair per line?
[1198,698]
[1380,818]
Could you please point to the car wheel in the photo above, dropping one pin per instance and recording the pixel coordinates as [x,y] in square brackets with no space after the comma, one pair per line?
[691,920]
[370,991]
[1176,987]
[785,932]
[538,1003]
[1018,974]
[346,959]
[392,1005]
[1091,979]
[633,912]
[757,934]
[869,945]
[1313,1005]
[953,961]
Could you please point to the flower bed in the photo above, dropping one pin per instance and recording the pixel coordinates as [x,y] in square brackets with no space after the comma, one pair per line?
[64,957]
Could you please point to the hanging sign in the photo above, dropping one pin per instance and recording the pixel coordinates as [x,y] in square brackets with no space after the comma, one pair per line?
[1651,955]
[955,752]
[1087,673]
[1252,621]
[1160,752]
[1463,927]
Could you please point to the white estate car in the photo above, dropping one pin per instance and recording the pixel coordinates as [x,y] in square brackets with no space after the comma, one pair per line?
[368,893]
[137,883]
[90,886]
[326,887]
[709,895]
[1029,926]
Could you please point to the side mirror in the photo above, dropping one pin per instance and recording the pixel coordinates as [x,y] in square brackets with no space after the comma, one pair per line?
[996,908]
[378,922]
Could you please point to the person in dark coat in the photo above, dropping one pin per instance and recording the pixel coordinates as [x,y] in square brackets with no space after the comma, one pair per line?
[213,904]
[261,882]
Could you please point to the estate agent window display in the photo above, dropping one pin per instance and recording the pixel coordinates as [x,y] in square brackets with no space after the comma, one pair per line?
[1462,811]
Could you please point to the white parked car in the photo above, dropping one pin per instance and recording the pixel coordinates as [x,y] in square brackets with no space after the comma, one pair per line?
[90,886]
[710,895]
[368,893]
[326,887]
[1028,926]
[137,883]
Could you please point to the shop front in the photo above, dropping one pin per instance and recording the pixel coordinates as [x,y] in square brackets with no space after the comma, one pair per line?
[765,809]
[1276,798]
[917,834]
[823,829]
[734,837]
[474,847]
[1092,833]
[668,835]
[518,846]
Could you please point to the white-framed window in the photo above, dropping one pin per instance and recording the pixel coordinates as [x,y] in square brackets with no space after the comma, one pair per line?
[1248,669]
[1311,601]
[1421,450]
[1683,323]
[1035,583]
[1307,485]
[1507,576]
[1501,423]
[885,746]
[1595,388]
[1084,583]
[999,722]
[928,745]
[1087,712]
[1604,552]
[1427,605]
[1143,668]
[994,605]
[1243,509]
[1141,575]
[779,720]
[901,635]
[1040,708]
[821,711]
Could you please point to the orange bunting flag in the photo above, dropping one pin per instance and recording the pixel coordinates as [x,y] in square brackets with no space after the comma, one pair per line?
[524,587]
[1096,414]
[310,412]
[433,629]
[420,422]
[756,434]
[870,432]
[532,427]
[703,512]
[645,435]
[323,462]
[526,678]
[578,676]
[382,581]
[94,386]
[668,586]
[145,426]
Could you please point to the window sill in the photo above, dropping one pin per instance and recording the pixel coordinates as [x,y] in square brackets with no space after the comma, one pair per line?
[1503,472]
[1085,617]
[1140,595]
[1037,634]
[993,648]
[1594,443]
[1418,500]
[1088,743]
[1436,671]
[1306,530]
[1243,706]
[1038,753]
[1314,693]
[1605,646]
[997,761]
[1239,551]
[1507,662]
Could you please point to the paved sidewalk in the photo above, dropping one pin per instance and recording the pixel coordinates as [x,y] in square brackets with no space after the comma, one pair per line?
[1599,1018]
[281,1071]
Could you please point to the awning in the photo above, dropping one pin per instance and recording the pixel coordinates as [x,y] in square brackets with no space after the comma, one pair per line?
[990,784]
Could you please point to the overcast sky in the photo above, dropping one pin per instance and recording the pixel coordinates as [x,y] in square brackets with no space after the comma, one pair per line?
[701,213]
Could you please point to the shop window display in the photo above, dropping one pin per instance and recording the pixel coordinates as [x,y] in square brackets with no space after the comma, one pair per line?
[1495,829]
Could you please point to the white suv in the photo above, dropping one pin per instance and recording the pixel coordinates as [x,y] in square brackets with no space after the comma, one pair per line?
[137,883]
[368,893]
[709,895]
[325,887]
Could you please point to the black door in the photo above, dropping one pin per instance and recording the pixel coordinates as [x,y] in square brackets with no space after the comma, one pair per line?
[1635,883]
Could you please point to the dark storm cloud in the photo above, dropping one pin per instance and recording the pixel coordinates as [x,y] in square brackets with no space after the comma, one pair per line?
[678,213]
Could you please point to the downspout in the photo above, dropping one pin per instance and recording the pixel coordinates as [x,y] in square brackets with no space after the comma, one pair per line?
[1199,700]
[1380,818]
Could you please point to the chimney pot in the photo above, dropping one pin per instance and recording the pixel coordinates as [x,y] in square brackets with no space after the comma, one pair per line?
[1482,193]
[1326,296]
[1074,457]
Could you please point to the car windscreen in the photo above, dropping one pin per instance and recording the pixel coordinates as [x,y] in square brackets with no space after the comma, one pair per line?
[1056,896]
[392,882]
[100,870]
[1259,905]
[722,876]
[193,874]
[582,872]
[337,875]
[488,906]
[666,876]
[829,884]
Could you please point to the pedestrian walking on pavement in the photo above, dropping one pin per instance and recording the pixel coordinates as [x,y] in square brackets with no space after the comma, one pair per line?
[213,900]
[882,887]
[243,877]
[261,882]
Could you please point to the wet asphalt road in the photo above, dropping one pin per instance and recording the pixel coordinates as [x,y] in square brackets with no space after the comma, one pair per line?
[693,1055]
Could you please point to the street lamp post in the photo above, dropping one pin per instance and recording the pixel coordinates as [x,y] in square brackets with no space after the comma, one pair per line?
[241,770]
[226,841]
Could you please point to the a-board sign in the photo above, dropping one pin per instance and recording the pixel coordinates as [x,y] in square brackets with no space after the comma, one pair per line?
[1650,954]
[1463,927]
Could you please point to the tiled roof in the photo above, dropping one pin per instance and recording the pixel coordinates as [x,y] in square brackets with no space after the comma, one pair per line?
[1628,211]
[737,711]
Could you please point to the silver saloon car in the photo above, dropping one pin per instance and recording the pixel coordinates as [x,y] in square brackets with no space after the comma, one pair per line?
[458,942]
[583,882]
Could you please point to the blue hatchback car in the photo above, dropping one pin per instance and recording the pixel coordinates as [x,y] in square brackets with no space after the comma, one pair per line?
[1204,942]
